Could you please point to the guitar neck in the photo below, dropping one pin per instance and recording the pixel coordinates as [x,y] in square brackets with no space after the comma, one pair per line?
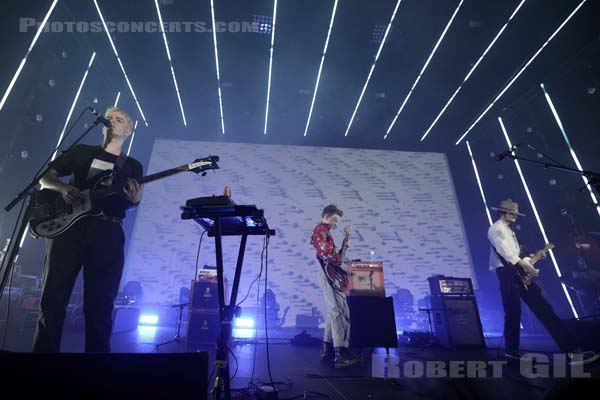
[163,174]
[344,248]
[148,178]
[539,255]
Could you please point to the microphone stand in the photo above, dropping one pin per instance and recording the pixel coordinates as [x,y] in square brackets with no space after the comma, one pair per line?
[12,255]
[177,338]
[593,177]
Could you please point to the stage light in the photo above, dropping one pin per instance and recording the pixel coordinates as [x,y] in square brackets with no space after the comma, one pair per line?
[132,136]
[214,29]
[378,32]
[362,93]
[423,68]
[52,83]
[148,319]
[573,155]
[39,117]
[263,23]
[24,154]
[485,204]
[244,328]
[24,60]
[473,68]
[244,323]
[520,72]
[119,61]
[312,103]
[270,65]
[170,61]
[117,99]
[537,217]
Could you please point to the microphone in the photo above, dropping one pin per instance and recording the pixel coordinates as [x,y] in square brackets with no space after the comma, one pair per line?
[506,153]
[100,117]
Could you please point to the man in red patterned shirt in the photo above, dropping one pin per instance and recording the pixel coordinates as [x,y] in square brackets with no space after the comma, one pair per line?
[337,324]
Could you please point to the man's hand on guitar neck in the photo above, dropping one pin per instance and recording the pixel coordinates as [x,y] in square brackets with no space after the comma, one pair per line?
[133,191]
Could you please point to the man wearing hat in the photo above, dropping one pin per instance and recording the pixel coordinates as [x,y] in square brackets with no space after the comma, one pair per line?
[506,255]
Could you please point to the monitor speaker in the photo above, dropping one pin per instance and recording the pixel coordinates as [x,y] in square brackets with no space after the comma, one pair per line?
[118,375]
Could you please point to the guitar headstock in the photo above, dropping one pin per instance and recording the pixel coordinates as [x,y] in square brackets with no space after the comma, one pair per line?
[201,165]
[543,251]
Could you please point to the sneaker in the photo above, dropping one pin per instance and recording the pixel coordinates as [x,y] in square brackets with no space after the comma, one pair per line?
[582,357]
[343,358]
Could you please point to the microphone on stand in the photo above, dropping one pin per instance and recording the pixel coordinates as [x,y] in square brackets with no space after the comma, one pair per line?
[100,117]
[506,153]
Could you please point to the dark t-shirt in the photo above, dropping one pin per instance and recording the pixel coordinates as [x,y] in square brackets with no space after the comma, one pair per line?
[83,162]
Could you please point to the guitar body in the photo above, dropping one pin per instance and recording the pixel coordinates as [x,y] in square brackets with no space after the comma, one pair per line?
[527,278]
[50,215]
[338,276]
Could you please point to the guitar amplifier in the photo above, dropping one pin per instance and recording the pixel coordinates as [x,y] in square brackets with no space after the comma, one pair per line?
[366,278]
[456,321]
[203,328]
[449,286]
[204,294]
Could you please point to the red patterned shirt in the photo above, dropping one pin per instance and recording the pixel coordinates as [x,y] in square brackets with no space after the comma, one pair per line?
[323,242]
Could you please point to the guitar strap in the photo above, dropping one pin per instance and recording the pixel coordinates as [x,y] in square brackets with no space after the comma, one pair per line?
[120,162]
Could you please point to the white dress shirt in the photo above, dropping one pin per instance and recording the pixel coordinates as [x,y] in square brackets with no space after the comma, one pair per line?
[504,240]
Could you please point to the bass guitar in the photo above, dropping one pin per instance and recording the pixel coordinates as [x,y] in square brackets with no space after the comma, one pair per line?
[49,215]
[338,274]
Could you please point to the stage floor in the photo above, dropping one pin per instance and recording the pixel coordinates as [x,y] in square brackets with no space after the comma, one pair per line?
[298,373]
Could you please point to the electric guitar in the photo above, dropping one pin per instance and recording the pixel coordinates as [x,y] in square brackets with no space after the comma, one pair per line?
[338,274]
[526,277]
[49,215]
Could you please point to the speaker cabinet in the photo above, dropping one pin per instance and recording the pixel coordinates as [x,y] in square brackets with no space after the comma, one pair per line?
[456,321]
[204,295]
[372,322]
[203,329]
[125,318]
[93,376]
[585,331]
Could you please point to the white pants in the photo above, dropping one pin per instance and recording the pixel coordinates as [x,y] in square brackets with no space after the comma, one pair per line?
[337,322]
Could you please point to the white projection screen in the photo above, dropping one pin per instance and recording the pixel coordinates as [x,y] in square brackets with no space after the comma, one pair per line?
[402,205]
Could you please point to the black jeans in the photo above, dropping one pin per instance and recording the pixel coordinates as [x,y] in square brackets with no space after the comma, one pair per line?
[98,246]
[512,291]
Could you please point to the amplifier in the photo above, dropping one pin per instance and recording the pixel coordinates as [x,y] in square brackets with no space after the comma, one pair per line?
[203,329]
[366,278]
[448,285]
[204,294]
[456,321]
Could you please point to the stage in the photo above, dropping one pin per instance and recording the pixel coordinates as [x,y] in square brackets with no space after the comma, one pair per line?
[298,373]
